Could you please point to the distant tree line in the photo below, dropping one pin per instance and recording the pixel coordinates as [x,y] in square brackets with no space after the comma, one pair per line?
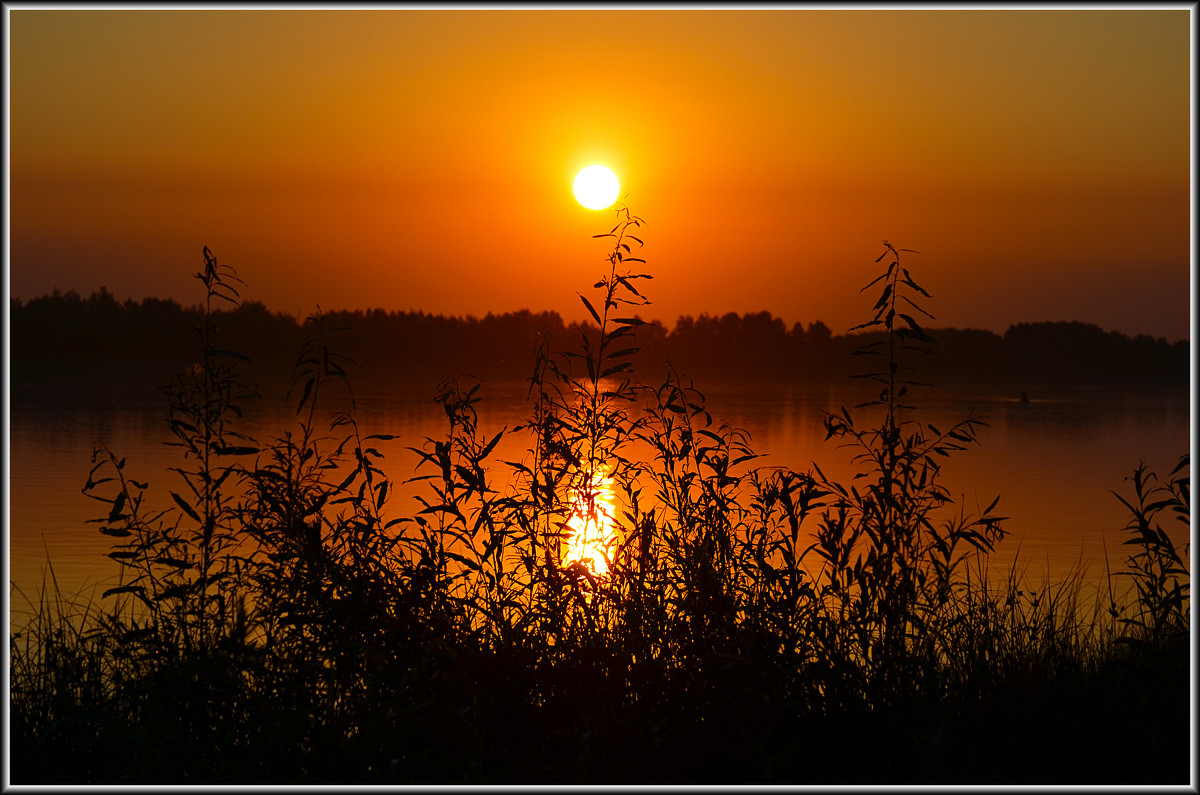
[64,327]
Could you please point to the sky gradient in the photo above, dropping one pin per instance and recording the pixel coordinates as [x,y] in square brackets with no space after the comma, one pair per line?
[1039,160]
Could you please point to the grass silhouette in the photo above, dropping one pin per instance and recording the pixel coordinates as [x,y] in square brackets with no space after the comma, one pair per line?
[283,621]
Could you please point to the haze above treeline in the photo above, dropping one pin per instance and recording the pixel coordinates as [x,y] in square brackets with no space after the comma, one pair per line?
[64,329]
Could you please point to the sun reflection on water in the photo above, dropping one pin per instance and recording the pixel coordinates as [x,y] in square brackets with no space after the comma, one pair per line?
[592,528]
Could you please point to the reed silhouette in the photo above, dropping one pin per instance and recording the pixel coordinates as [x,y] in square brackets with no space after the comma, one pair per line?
[285,620]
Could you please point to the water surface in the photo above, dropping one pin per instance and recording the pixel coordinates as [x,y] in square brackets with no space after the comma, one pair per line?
[1053,460]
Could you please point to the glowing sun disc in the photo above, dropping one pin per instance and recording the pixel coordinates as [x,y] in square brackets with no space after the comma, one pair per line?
[596,187]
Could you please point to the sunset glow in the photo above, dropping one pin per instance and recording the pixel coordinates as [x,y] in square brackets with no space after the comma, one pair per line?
[1038,159]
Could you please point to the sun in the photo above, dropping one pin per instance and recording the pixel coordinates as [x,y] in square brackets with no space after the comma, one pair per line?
[596,187]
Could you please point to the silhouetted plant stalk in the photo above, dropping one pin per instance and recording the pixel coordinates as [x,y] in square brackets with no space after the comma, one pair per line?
[191,579]
[586,424]
[533,509]
[698,495]
[464,536]
[608,424]
[1160,573]
[889,566]
[319,539]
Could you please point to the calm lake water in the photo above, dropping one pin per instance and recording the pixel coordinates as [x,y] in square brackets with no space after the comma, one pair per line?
[1053,461]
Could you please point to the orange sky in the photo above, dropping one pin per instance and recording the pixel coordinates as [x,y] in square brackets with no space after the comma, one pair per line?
[407,159]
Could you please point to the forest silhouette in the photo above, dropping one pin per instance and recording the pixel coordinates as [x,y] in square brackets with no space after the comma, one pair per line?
[64,328]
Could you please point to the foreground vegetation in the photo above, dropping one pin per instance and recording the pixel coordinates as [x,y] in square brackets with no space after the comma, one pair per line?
[284,619]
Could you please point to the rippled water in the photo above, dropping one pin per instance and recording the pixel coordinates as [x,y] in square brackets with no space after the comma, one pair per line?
[1053,460]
